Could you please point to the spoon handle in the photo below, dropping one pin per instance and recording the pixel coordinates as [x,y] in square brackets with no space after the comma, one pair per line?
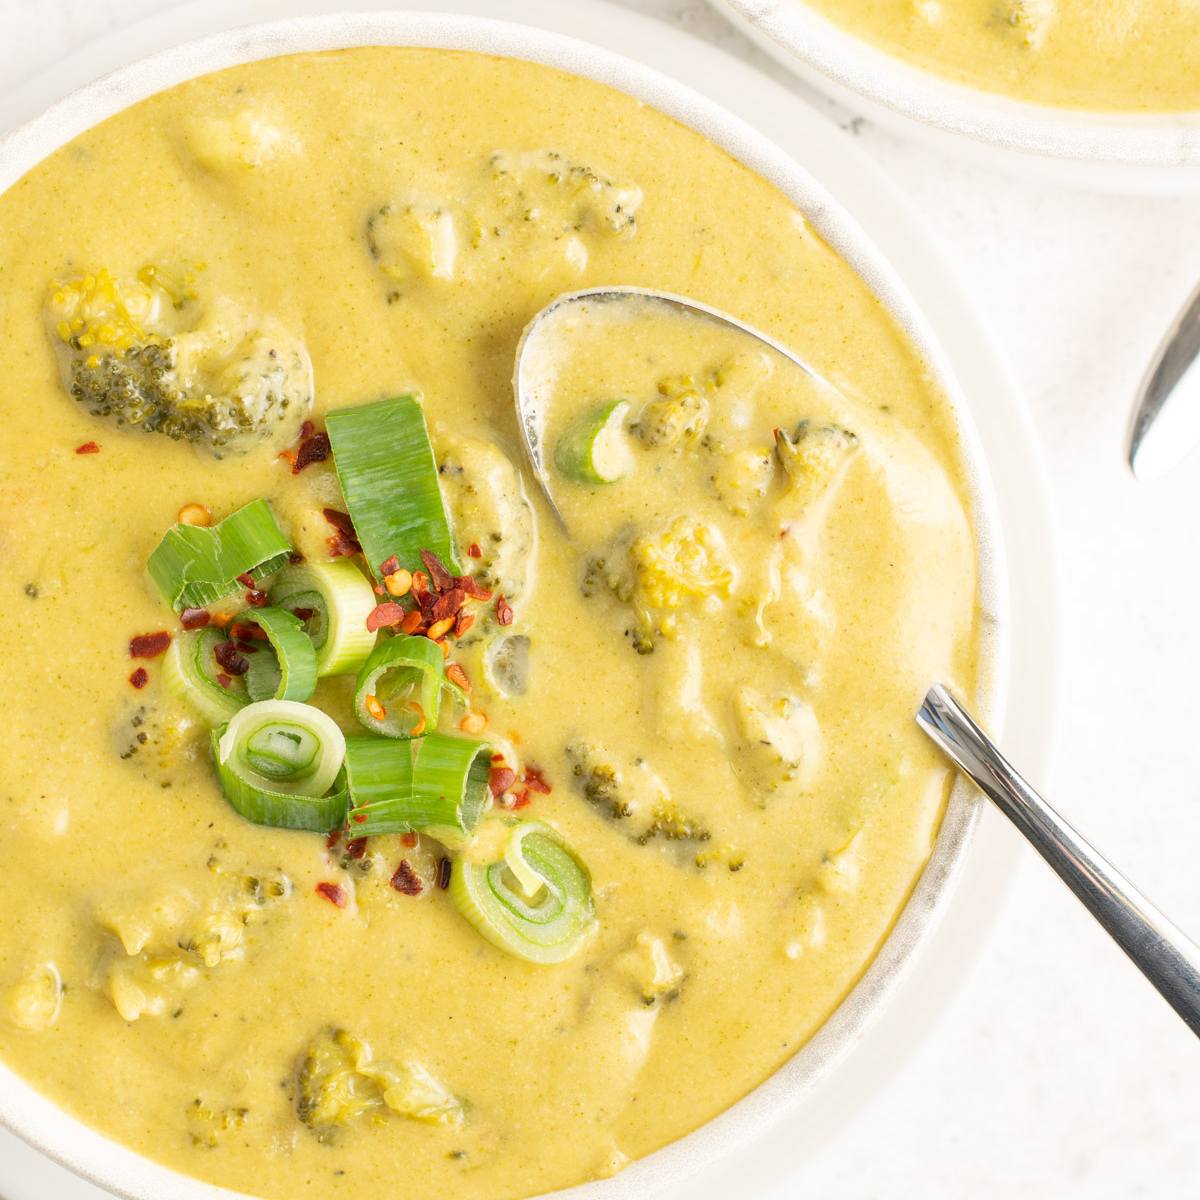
[1163,953]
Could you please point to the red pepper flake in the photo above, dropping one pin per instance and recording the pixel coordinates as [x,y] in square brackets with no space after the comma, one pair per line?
[359,818]
[140,678]
[504,612]
[333,892]
[247,631]
[247,647]
[521,798]
[500,779]
[412,622]
[406,881]
[473,551]
[224,680]
[464,622]
[442,579]
[408,839]
[443,877]
[247,580]
[448,604]
[304,614]
[88,448]
[195,618]
[149,645]
[385,615]
[389,566]
[535,780]
[458,676]
[356,847]
[473,588]
[295,558]
[256,599]
[306,430]
[333,837]
[344,542]
[228,656]
[314,448]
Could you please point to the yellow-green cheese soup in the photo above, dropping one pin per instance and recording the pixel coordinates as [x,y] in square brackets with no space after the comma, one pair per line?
[364,831]
[1118,55]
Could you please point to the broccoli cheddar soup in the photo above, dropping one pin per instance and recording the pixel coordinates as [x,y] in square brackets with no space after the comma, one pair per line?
[1129,55]
[364,827]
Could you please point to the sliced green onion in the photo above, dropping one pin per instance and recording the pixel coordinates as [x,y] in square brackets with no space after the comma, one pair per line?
[436,784]
[340,599]
[287,670]
[196,565]
[386,467]
[280,763]
[596,448]
[535,902]
[190,671]
[292,748]
[398,691]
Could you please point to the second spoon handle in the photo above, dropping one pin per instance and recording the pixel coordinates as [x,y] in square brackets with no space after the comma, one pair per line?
[1163,953]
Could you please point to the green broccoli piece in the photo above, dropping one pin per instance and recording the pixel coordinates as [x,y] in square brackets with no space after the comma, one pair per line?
[149,358]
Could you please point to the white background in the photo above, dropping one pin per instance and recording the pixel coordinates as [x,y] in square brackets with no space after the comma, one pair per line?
[1056,1073]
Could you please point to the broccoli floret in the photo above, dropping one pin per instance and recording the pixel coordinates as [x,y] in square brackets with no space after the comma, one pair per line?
[660,575]
[338,1081]
[34,1002]
[780,744]
[148,356]
[489,511]
[598,779]
[638,799]
[812,455]
[741,478]
[566,196]
[207,1125]
[413,240]
[679,415]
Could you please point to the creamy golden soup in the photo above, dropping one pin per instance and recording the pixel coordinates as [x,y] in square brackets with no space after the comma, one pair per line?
[704,695]
[1126,55]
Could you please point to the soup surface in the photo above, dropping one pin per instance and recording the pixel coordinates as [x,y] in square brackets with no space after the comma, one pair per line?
[706,692]
[1127,55]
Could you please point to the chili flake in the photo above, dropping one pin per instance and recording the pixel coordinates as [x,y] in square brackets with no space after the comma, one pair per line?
[473,550]
[88,448]
[383,615]
[406,881]
[195,618]
[140,678]
[149,645]
[228,656]
[313,449]
[333,892]
[344,541]
[504,612]
[442,579]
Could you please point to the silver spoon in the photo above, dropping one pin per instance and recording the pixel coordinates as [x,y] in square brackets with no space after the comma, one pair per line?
[1164,954]
[1161,951]
[1165,426]
[535,352]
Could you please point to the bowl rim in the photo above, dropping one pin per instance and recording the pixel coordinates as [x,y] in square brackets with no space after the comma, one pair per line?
[96,1157]
[801,36]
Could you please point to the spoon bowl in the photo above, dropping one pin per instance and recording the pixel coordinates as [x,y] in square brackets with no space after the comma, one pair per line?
[535,356]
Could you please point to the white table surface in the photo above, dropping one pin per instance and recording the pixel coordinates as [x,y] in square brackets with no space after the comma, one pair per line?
[1056,1074]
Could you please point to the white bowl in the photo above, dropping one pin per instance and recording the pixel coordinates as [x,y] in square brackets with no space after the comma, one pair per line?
[1147,153]
[92,1155]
